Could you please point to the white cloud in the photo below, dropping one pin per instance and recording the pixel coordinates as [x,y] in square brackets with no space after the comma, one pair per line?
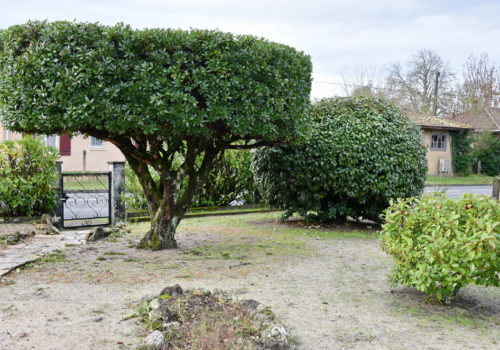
[337,34]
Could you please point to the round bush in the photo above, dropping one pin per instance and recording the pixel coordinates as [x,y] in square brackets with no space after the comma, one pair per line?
[362,153]
[440,245]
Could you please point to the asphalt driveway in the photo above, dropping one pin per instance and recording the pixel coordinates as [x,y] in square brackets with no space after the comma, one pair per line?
[458,191]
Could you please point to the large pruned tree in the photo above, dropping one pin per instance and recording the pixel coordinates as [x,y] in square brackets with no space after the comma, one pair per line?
[170,100]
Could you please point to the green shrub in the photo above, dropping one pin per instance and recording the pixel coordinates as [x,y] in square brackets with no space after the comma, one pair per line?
[28,177]
[462,157]
[362,153]
[487,150]
[133,196]
[440,245]
[231,180]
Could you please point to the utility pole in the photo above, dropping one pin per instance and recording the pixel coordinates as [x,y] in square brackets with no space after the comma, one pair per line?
[436,86]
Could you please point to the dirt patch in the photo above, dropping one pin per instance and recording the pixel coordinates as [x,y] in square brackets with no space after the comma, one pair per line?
[331,292]
[298,222]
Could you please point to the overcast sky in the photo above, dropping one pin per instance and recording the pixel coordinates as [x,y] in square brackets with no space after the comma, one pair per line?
[339,35]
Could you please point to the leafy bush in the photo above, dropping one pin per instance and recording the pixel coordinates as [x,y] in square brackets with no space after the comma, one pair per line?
[28,177]
[487,150]
[362,153]
[231,180]
[133,196]
[440,245]
[461,150]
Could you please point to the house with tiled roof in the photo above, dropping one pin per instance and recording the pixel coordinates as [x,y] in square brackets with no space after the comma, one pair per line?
[486,119]
[77,153]
[436,135]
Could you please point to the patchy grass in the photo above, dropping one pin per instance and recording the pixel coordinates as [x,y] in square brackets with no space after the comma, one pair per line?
[113,253]
[445,317]
[266,224]
[245,251]
[56,256]
[459,180]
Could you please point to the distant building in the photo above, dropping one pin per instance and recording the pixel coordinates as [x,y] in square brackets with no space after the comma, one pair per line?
[487,119]
[77,153]
[437,138]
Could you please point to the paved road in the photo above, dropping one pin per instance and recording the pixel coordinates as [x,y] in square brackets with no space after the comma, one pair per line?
[458,191]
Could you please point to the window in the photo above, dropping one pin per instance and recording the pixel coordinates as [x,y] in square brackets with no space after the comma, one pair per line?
[51,140]
[96,143]
[438,142]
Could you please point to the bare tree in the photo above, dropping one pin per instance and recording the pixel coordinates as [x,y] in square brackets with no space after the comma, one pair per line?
[481,84]
[424,84]
[364,81]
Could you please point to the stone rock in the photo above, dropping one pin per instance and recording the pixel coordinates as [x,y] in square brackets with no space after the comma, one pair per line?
[173,291]
[97,233]
[155,341]
[41,227]
[171,326]
[250,304]
[276,338]
[154,304]
[147,298]
[46,219]
[52,230]
[155,316]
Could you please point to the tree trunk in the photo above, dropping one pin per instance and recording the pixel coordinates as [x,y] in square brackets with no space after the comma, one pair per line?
[167,203]
[164,223]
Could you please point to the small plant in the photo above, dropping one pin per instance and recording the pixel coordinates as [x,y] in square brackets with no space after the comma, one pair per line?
[440,245]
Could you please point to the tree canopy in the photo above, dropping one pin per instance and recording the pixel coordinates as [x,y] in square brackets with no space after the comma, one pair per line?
[173,100]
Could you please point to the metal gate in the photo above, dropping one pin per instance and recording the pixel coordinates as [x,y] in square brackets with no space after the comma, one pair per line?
[85,199]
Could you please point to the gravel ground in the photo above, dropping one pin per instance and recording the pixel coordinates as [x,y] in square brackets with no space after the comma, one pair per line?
[332,292]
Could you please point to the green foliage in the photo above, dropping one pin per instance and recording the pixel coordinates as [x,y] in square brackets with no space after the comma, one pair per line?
[28,177]
[133,196]
[487,150]
[231,180]
[362,153]
[104,80]
[461,152]
[170,100]
[440,245]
